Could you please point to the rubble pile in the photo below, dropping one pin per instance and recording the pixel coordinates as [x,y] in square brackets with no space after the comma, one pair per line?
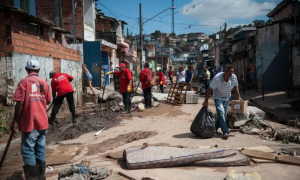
[256,126]
[81,172]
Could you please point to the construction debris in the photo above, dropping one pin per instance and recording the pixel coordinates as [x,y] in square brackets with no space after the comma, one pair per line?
[272,156]
[81,172]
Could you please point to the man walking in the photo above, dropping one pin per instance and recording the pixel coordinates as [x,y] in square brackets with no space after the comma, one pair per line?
[125,85]
[207,78]
[222,85]
[61,84]
[171,73]
[32,96]
[161,80]
[146,75]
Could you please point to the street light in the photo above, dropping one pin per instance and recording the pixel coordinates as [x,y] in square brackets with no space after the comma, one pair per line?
[141,31]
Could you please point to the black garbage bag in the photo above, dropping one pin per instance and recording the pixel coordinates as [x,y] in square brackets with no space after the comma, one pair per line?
[204,124]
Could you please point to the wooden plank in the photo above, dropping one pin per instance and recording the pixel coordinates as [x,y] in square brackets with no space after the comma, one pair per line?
[271,156]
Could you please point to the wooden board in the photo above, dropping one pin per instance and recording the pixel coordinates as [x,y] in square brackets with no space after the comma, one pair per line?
[271,156]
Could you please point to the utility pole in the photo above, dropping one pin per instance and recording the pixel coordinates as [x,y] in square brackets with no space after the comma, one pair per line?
[173,26]
[141,42]
[73,16]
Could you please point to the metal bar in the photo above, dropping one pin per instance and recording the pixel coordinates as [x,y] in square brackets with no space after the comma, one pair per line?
[73,16]
[141,42]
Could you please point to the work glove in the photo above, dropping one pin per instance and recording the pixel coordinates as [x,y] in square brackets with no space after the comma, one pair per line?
[128,88]
[108,73]
[161,82]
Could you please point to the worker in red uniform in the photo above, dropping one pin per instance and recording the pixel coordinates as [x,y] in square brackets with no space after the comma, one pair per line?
[32,96]
[61,84]
[125,85]
[171,74]
[145,76]
[161,80]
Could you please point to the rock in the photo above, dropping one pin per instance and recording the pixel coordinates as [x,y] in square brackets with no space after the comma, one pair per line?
[115,96]
[141,106]
[155,104]
[254,111]
[238,124]
[137,99]
[234,175]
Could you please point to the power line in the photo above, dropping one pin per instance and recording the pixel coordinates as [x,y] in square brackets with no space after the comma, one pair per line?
[186,9]
[115,15]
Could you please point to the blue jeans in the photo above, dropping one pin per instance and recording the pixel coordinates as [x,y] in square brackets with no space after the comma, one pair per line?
[33,146]
[221,107]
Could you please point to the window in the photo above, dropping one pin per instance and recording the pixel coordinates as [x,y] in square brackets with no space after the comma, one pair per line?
[26,5]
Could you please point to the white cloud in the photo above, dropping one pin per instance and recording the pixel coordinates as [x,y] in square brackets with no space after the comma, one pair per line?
[241,9]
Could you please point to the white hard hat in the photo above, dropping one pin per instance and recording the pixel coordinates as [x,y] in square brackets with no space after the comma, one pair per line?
[33,64]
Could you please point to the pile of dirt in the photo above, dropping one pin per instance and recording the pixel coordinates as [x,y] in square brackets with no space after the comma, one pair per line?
[119,141]
[90,119]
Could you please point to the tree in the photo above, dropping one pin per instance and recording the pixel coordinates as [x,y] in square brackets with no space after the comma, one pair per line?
[183,44]
[156,34]
[258,22]
[172,35]
[269,21]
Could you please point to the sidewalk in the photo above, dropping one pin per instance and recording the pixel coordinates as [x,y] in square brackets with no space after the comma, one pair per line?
[276,104]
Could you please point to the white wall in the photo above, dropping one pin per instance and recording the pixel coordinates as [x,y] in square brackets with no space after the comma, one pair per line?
[89,20]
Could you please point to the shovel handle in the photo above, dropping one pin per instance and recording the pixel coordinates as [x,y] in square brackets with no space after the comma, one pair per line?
[6,149]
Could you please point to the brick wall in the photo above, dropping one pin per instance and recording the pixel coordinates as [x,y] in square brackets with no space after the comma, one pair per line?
[45,9]
[68,19]
[28,42]
[103,25]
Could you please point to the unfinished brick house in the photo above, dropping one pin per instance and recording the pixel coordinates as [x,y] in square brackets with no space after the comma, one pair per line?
[24,36]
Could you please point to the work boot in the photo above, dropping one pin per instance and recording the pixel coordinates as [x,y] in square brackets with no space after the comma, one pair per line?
[41,170]
[73,117]
[125,109]
[31,172]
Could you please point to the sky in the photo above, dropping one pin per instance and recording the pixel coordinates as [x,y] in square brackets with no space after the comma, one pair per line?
[190,15]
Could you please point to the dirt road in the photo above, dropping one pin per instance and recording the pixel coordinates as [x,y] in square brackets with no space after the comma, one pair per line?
[168,125]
